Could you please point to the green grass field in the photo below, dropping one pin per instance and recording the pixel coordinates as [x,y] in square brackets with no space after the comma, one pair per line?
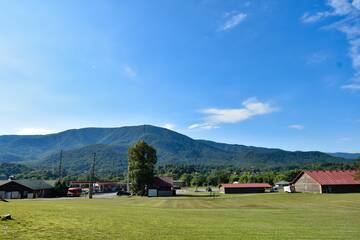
[257,216]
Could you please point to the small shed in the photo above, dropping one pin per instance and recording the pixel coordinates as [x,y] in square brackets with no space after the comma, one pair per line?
[244,188]
[282,184]
[162,187]
[28,188]
[334,181]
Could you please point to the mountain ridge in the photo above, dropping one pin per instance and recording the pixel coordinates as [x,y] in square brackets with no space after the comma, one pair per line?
[41,151]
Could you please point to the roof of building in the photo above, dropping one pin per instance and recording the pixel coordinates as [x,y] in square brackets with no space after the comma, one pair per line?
[2,182]
[333,177]
[51,182]
[247,185]
[163,182]
[33,184]
[282,182]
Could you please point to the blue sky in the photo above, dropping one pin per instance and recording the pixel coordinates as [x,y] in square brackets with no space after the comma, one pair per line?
[280,74]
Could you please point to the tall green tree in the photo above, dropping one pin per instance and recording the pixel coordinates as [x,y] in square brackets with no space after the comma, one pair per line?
[142,160]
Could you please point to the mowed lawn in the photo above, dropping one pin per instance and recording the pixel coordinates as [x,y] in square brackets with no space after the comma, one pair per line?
[251,216]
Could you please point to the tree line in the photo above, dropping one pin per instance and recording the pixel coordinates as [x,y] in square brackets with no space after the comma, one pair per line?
[142,168]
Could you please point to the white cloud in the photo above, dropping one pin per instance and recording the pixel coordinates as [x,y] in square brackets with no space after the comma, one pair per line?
[347,22]
[356,4]
[233,20]
[169,126]
[352,87]
[297,126]
[34,131]
[202,126]
[130,72]
[341,7]
[217,116]
[308,18]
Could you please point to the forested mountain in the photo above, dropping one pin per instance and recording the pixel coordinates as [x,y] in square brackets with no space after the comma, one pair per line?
[111,144]
[345,155]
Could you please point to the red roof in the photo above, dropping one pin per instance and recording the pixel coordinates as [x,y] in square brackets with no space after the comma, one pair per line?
[334,177]
[247,185]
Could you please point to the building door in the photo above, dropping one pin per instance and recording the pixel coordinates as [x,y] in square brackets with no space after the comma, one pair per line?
[7,195]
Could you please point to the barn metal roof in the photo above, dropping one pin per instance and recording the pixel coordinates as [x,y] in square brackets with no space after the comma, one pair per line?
[247,185]
[33,184]
[333,177]
[162,181]
[282,182]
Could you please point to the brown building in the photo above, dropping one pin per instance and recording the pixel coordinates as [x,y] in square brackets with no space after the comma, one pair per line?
[162,187]
[327,182]
[244,188]
[28,188]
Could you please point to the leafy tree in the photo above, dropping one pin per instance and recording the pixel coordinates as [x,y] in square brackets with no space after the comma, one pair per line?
[142,160]
[292,174]
[234,178]
[246,177]
[186,177]
[198,180]
[60,189]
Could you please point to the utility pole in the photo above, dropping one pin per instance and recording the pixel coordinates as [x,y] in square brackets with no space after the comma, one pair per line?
[128,179]
[60,166]
[113,173]
[92,175]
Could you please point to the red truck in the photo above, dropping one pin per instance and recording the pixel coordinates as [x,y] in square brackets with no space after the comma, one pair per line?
[74,192]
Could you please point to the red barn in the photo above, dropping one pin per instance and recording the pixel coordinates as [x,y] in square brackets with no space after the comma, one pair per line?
[162,187]
[334,181]
[244,188]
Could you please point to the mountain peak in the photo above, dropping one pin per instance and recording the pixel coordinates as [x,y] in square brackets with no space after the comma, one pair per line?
[172,147]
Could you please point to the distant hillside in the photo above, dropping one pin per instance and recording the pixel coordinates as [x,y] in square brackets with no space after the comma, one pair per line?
[111,146]
[345,155]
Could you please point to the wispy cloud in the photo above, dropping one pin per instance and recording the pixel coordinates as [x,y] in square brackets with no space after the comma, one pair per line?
[232,20]
[217,116]
[311,18]
[130,72]
[35,131]
[203,126]
[351,87]
[297,126]
[349,24]
[317,58]
[169,126]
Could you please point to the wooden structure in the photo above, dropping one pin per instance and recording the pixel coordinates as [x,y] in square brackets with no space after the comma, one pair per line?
[334,181]
[282,184]
[162,187]
[244,188]
[29,188]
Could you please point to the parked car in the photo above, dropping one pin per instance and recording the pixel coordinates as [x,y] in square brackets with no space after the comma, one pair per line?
[123,193]
[74,192]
